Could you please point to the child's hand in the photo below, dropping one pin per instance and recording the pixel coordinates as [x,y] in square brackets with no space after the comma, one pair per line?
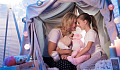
[64,57]
[77,56]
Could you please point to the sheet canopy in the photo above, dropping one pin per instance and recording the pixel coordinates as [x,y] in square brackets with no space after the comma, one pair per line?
[49,15]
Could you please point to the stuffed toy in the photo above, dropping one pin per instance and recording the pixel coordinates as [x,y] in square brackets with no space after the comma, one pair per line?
[9,61]
[14,60]
[63,43]
[77,47]
[77,43]
[20,59]
[55,56]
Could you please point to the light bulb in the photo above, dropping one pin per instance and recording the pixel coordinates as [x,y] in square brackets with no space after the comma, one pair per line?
[27,46]
[24,19]
[25,34]
[117,20]
[39,3]
[111,7]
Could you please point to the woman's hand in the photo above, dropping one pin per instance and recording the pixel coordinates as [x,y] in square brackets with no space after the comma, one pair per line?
[64,57]
[64,52]
[71,36]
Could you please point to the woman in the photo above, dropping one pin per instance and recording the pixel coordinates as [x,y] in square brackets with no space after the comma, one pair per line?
[92,45]
[68,25]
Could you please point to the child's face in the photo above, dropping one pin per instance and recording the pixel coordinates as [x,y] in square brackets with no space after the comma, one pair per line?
[81,24]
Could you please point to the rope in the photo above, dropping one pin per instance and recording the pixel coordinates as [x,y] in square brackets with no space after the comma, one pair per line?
[6,33]
[17,28]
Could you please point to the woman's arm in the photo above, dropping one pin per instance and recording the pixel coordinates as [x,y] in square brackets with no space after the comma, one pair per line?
[64,52]
[51,47]
[86,49]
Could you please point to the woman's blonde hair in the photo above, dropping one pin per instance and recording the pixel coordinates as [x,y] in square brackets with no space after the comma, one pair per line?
[66,23]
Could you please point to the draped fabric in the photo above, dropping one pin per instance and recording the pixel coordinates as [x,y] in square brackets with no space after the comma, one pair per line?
[32,11]
[102,5]
[41,19]
[35,50]
[53,18]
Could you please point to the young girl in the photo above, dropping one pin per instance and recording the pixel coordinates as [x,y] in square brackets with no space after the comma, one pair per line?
[92,45]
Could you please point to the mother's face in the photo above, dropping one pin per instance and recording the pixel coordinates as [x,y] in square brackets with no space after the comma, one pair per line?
[74,25]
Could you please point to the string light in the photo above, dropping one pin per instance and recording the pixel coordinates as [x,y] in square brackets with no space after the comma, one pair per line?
[24,19]
[40,2]
[111,7]
[25,34]
[117,20]
[27,46]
